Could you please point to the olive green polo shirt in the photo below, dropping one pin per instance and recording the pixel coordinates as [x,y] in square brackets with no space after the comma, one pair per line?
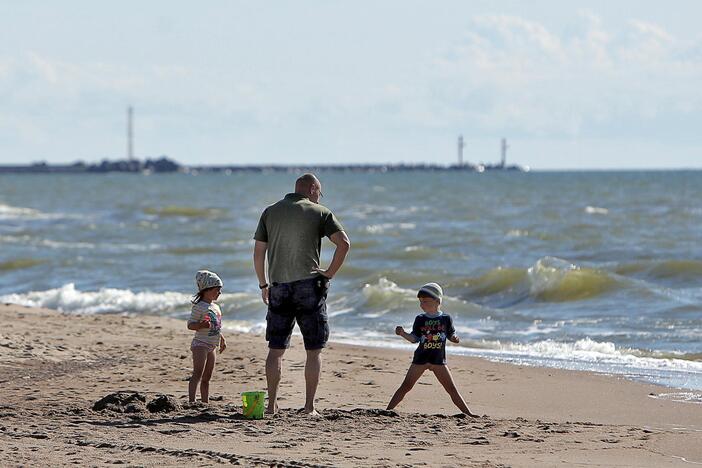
[294,228]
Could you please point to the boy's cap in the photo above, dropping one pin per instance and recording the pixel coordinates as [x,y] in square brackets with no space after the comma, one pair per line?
[433,289]
[207,279]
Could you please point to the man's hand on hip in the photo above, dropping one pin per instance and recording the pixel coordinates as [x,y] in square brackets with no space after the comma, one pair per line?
[319,271]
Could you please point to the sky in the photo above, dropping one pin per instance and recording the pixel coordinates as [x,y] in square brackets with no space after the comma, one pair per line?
[570,84]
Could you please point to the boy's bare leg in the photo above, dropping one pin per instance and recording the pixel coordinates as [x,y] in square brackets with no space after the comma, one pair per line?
[206,376]
[413,374]
[199,359]
[444,375]
[274,368]
[313,369]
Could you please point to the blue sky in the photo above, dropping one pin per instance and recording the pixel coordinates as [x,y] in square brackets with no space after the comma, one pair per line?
[597,84]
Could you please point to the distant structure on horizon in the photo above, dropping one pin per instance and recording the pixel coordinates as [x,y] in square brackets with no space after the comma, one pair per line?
[130,133]
[461,145]
[481,167]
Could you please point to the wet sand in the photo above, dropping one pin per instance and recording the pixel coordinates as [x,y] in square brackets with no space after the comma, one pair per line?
[54,367]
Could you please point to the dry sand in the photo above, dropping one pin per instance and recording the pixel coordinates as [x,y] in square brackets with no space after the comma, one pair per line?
[54,367]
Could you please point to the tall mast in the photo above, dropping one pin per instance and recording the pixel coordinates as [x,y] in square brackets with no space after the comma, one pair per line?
[461,145]
[130,133]
[504,152]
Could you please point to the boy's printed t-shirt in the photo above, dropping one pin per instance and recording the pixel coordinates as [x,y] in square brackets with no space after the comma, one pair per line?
[432,332]
[207,335]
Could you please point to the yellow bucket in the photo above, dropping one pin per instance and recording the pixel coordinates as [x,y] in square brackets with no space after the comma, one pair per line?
[253,404]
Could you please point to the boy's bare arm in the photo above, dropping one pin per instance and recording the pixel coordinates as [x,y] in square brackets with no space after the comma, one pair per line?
[454,339]
[408,336]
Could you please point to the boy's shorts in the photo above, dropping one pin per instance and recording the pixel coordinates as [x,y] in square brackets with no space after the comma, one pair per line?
[304,301]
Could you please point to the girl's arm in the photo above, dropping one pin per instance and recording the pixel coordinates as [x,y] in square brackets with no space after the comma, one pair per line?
[222,344]
[198,325]
[409,337]
[198,319]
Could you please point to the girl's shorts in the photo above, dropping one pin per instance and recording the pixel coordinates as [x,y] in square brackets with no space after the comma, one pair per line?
[202,344]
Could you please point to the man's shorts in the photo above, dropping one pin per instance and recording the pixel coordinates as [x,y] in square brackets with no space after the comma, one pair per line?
[304,301]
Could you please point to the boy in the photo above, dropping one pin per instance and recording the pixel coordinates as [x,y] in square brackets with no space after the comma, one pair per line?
[430,330]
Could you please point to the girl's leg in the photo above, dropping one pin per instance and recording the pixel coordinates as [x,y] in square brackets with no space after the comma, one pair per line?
[199,359]
[444,375]
[413,374]
[206,376]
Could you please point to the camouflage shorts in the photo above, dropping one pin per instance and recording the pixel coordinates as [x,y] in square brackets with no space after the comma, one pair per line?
[303,301]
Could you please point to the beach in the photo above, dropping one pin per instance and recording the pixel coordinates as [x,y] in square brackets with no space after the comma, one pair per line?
[55,366]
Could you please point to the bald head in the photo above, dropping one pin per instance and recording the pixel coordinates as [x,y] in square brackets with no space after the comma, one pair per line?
[309,186]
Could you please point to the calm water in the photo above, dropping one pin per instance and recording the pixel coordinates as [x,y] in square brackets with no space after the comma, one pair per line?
[599,271]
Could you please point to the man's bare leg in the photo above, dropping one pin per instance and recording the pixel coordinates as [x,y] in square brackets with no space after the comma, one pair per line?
[413,374]
[313,369]
[274,368]
[444,375]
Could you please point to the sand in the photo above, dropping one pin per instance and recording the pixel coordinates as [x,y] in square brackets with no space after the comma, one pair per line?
[54,367]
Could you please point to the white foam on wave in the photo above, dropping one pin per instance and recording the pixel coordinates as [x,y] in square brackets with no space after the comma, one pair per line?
[110,300]
[596,210]
[538,328]
[15,212]
[685,397]
[59,245]
[385,227]
[69,299]
[584,354]
[547,273]
[517,233]
[8,212]
[245,326]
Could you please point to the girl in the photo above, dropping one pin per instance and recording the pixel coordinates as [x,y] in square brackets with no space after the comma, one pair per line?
[206,320]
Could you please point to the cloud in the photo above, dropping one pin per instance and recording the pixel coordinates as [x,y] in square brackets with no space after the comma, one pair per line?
[510,73]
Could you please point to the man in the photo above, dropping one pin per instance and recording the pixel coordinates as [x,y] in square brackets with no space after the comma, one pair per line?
[290,232]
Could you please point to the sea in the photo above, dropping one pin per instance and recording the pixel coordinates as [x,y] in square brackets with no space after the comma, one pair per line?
[593,271]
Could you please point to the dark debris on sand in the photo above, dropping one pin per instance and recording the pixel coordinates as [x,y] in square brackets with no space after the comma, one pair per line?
[136,402]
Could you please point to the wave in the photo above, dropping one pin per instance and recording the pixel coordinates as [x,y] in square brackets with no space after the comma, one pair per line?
[384,297]
[8,212]
[389,228]
[555,280]
[184,211]
[414,252]
[20,264]
[69,299]
[14,212]
[682,397]
[193,250]
[550,279]
[111,300]
[587,350]
[60,245]
[495,281]
[674,269]
[596,210]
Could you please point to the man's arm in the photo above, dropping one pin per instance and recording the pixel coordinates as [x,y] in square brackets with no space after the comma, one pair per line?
[343,244]
[259,258]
